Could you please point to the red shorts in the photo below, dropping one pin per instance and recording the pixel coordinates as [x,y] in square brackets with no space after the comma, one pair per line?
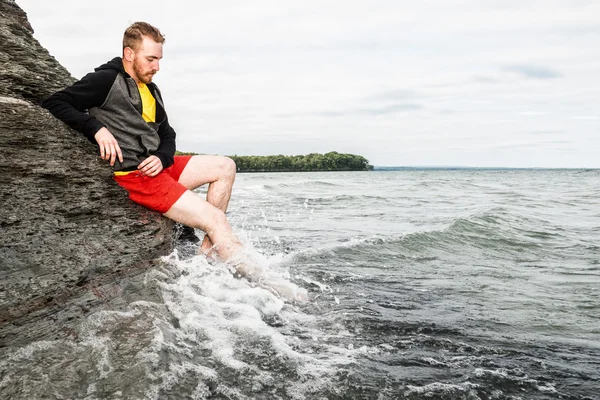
[157,193]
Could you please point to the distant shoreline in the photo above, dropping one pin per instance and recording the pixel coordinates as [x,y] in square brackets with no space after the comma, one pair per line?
[435,168]
[313,162]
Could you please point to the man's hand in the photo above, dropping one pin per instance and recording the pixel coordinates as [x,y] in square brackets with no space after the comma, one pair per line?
[151,166]
[109,148]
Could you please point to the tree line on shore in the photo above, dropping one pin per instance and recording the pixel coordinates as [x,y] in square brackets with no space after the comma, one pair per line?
[332,161]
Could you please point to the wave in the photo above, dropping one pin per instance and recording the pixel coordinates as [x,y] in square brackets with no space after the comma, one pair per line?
[303,185]
[344,200]
[496,232]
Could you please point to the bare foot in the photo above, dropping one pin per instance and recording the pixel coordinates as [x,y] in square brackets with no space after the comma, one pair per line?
[267,280]
[284,289]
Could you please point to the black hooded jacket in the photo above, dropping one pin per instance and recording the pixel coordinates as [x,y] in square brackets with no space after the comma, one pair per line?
[109,97]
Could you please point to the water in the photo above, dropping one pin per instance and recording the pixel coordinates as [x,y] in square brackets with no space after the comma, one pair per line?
[425,284]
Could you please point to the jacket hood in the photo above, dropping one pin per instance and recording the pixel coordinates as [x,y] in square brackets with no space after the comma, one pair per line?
[115,64]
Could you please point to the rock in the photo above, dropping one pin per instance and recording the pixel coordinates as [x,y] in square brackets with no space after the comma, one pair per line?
[70,239]
[27,70]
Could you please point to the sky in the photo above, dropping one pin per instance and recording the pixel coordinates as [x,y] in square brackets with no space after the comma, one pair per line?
[480,83]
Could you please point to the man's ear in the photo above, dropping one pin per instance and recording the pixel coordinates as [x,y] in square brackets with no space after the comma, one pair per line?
[128,54]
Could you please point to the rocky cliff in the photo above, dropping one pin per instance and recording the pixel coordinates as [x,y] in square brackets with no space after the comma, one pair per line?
[70,240]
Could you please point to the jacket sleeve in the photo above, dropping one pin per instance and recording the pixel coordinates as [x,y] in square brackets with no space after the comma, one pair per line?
[70,105]
[166,149]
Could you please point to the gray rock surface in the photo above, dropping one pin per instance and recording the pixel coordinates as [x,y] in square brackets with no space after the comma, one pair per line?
[27,71]
[70,240]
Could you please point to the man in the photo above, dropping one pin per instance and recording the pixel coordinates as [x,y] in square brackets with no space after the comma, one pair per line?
[126,118]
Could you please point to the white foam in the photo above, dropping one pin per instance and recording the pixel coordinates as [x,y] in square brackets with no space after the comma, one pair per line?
[505,374]
[227,316]
[441,388]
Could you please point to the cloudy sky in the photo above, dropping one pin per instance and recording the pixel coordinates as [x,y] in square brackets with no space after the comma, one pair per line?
[511,83]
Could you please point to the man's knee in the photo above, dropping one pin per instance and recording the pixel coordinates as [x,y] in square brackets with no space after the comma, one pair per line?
[228,167]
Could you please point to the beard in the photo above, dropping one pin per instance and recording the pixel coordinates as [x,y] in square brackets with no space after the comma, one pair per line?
[144,77]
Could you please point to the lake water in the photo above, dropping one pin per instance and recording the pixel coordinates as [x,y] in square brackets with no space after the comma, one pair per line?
[424,284]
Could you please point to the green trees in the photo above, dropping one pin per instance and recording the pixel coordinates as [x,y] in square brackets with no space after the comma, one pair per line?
[332,161]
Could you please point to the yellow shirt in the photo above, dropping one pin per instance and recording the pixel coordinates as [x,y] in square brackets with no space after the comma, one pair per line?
[148,103]
[148,113]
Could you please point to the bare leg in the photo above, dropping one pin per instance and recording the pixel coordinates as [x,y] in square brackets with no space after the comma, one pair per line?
[194,211]
[209,215]
[219,173]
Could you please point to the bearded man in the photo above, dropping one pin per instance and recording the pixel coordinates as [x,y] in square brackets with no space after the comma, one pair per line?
[120,109]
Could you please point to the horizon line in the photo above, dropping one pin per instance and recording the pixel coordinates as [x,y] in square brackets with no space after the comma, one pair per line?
[469,167]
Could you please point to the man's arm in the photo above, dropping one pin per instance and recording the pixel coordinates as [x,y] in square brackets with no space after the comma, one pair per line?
[166,148]
[70,104]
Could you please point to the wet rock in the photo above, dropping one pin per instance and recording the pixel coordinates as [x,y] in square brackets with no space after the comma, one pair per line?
[70,240]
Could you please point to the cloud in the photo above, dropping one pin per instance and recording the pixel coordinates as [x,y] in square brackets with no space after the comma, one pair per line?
[485,79]
[562,144]
[533,113]
[534,72]
[587,117]
[399,94]
[545,132]
[372,111]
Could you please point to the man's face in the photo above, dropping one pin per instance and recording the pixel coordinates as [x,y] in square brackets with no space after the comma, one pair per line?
[146,59]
